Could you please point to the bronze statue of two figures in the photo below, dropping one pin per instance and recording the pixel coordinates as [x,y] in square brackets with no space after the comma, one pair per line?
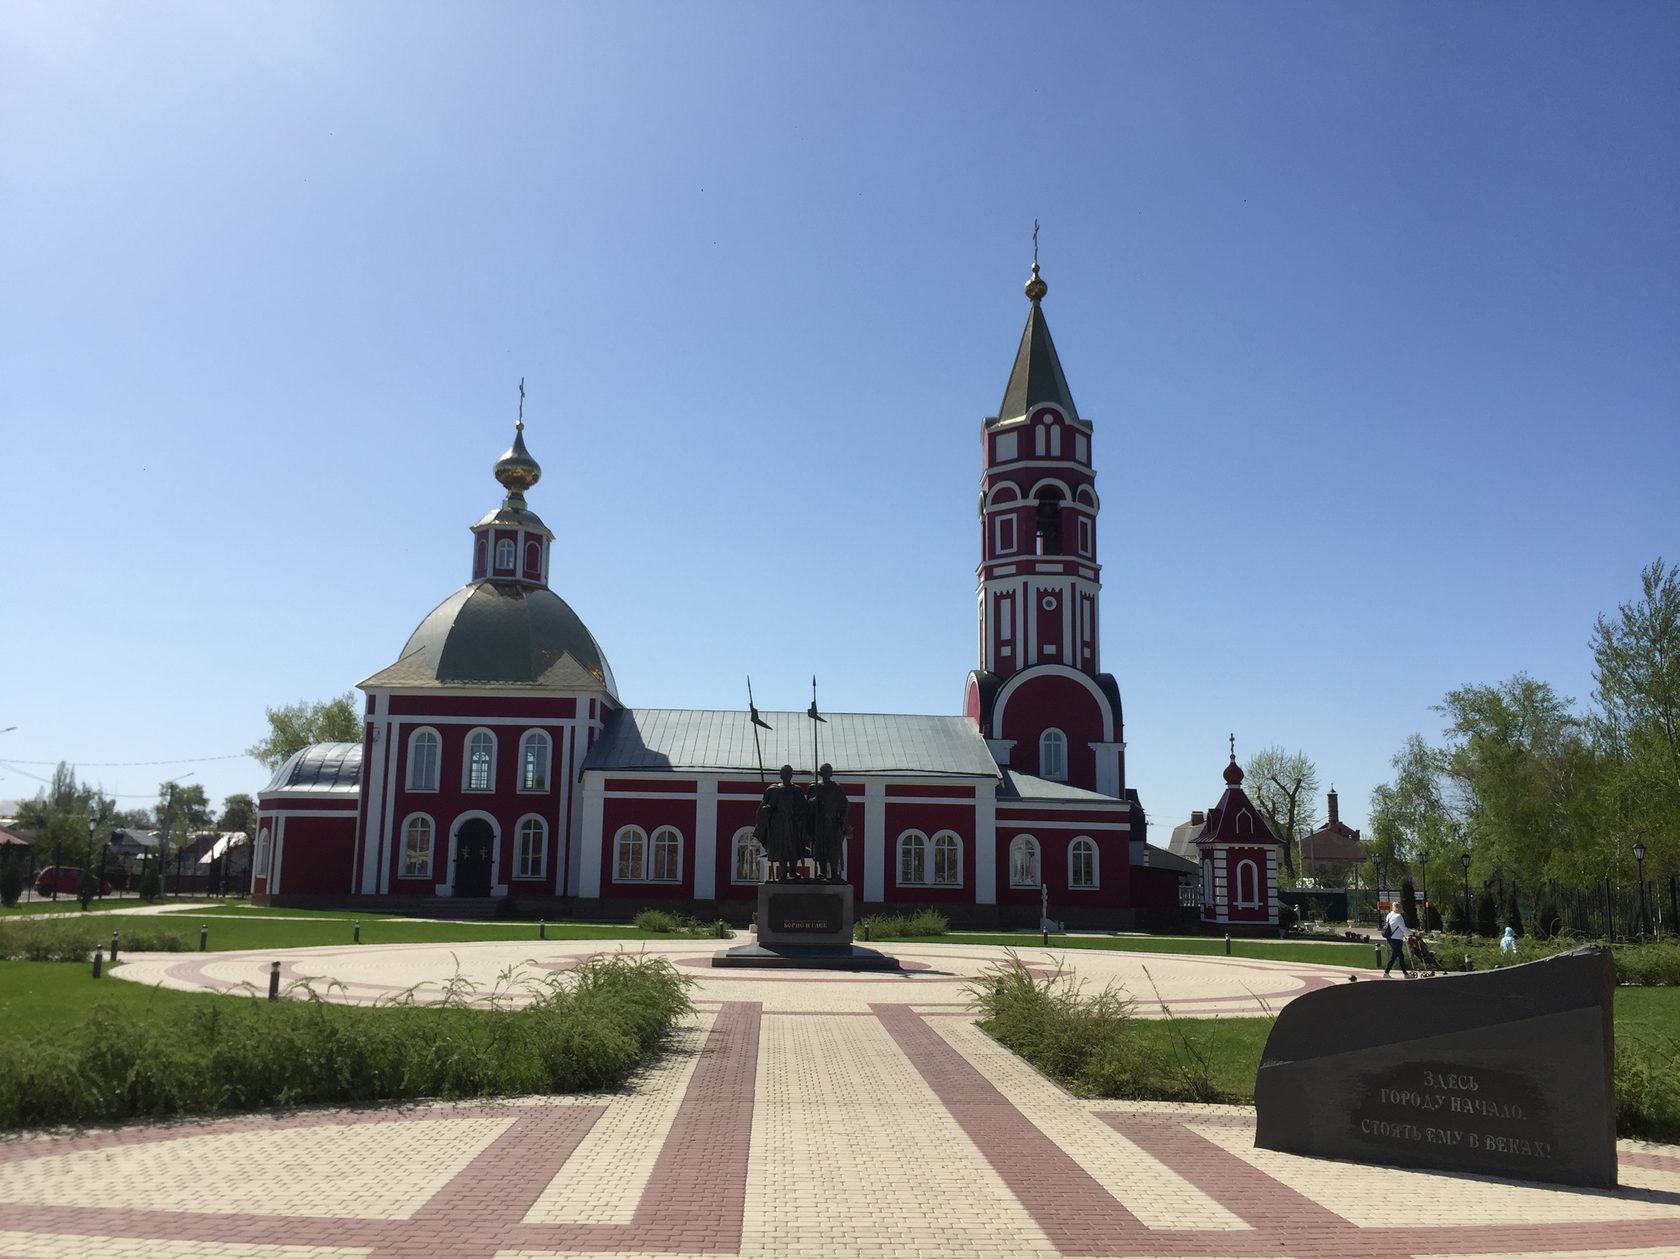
[794,825]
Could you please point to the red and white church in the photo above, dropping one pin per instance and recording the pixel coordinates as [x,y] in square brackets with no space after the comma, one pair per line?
[499,763]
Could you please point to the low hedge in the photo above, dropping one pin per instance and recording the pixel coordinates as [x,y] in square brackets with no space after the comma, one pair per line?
[585,1031]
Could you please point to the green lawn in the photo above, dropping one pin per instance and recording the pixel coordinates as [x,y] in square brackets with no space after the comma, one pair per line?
[1323,952]
[235,930]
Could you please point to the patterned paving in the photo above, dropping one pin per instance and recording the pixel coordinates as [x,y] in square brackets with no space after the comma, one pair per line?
[794,1117]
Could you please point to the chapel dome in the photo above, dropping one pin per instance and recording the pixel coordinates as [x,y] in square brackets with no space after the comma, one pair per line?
[501,634]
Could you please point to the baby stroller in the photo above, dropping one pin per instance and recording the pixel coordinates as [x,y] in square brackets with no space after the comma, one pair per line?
[1423,957]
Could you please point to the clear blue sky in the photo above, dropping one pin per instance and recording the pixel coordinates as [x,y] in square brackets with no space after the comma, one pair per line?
[1375,307]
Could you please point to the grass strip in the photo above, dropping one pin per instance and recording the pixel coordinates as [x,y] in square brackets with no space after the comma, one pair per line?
[144,1054]
[1095,1045]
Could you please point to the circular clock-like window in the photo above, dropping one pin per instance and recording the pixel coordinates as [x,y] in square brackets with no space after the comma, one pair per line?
[1049,603]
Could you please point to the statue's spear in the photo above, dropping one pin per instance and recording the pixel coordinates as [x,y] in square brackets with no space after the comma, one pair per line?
[815,717]
[757,721]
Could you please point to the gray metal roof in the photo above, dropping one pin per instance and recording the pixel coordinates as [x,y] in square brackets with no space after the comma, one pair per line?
[687,740]
[491,634]
[1158,858]
[320,769]
[1019,786]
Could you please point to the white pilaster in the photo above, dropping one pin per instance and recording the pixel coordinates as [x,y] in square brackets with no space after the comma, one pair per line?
[705,839]
[985,843]
[875,840]
[589,838]
[1108,767]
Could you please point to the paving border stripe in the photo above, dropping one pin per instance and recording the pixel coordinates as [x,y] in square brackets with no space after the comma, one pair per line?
[1288,1222]
[1077,1214]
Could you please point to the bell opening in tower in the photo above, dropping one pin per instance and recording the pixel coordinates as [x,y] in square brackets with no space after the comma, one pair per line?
[1050,522]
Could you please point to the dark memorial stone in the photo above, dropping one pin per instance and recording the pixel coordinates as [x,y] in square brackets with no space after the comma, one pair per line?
[1502,1073]
[805,925]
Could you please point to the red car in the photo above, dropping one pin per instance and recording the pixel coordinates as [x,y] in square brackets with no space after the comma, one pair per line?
[65,880]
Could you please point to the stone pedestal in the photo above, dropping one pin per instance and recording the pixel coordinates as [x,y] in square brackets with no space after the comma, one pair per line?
[803,924]
[1501,1073]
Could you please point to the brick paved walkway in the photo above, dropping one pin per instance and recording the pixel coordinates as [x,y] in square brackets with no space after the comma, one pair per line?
[820,1116]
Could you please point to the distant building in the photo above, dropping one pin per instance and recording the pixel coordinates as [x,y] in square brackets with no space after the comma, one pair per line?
[1239,860]
[499,761]
[1332,853]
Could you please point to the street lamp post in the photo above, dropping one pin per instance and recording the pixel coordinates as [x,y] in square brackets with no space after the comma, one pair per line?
[88,885]
[1644,911]
[1465,862]
[1423,918]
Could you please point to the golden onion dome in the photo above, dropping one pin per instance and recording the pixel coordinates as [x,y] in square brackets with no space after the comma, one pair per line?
[516,469]
[1035,287]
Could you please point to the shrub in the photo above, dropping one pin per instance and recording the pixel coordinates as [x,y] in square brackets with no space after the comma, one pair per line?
[1408,902]
[1647,1079]
[1487,916]
[1431,917]
[66,940]
[923,922]
[1094,1044]
[656,920]
[151,883]
[1648,965]
[1513,914]
[1548,919]
[11,879]
[1314,911]
[579,1033]
[1286,916]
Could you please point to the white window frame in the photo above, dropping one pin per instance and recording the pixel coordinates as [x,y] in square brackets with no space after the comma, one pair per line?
[1036,868]
[507,555]
[913,841]
[1095,880]
[1084,532]
[525,742]
[627,836]
[467,761]
[265,852]
[744,840]
[665,839]
[533,556]
[436,761]
[409,871]
[1244,902]
[1003,534]
[522,868]
[1058,771]
[950,842]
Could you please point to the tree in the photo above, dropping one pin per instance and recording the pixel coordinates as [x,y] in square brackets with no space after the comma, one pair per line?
[298,725]
[1522,761]
[11,878]
[1284,787]
[1513,914]
[1636,666]
[239,813]
[182,809]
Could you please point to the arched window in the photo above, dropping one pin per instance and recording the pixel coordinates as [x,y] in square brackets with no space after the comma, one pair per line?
[1049,521]
[259,865]
[1052,755]
[630,855]
[1023,862]
[504,555]
[478,771]
[749,858]
[947,859]
[912,858]
[667,855]
[423,748]
[1082,862]
[417,847]
[1248,885]
[1245,824]
[533,761]
[533,847]
[533,557]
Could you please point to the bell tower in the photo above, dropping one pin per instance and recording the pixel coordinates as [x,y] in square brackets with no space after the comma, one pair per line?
[1039,694]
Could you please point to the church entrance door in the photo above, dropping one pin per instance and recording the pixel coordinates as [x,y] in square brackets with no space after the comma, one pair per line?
[473,842]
